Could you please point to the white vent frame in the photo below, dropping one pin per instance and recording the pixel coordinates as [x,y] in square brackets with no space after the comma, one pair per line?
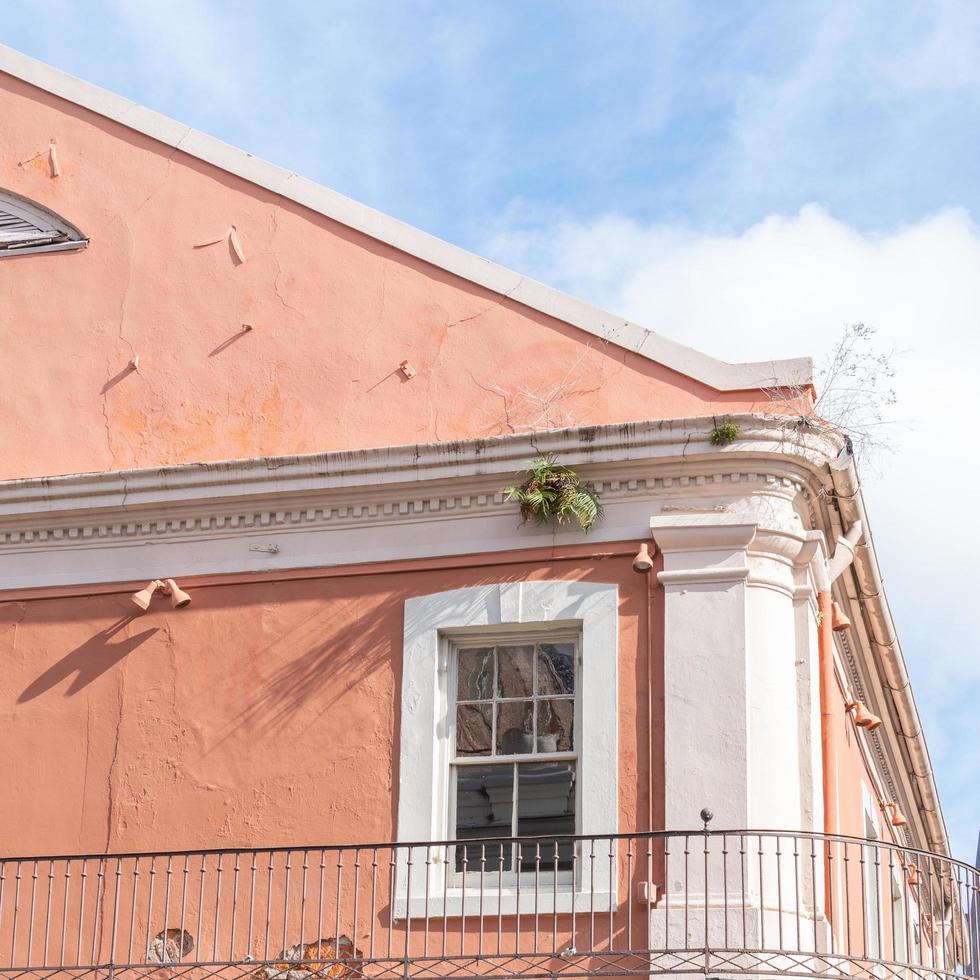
[27,227]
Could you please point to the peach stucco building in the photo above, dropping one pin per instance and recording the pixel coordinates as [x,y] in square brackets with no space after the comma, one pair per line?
[305,413]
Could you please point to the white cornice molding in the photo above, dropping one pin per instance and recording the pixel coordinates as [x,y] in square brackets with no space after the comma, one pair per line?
[412,241]
[386,504]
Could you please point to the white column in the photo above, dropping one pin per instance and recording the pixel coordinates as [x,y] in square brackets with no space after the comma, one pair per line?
[736,705]
[705,616]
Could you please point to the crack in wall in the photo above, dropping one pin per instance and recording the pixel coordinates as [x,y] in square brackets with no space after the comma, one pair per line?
[110,790]
[434,402]
[85,782]
[105,417]
[278,292]
[529,409]
[129,278]
[274,230]
[497,302]
[122,338]
[166,176]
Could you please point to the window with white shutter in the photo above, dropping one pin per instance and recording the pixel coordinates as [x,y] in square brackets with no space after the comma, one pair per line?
[28,227]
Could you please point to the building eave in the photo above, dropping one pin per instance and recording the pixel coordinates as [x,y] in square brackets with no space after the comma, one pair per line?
[884,652]
[719,375]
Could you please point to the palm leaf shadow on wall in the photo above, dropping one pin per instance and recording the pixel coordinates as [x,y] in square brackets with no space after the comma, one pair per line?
[314,663]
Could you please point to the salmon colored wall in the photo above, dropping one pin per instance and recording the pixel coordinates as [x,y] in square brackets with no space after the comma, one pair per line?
[854,783]
[334,313]
[265,713]
[854,778]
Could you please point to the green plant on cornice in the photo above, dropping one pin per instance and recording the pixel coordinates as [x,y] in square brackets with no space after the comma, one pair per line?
[555,494]
[724,434]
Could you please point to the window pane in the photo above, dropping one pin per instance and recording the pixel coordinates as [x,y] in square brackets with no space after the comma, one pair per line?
[484,810]
[546,808]
[473,729]
[475,678]
[556,719]
[514,668]
[515,727]
[556,668]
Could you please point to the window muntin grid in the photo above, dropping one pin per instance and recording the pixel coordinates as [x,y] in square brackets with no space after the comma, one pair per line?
[515,699]
[514,759]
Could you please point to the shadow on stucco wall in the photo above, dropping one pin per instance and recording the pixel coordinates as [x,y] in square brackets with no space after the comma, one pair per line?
[343,647]
[88,661]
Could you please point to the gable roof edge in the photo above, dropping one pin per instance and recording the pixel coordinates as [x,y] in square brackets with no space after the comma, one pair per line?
[720,375]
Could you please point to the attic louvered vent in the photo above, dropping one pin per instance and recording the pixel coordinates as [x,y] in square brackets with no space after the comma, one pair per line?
[28,227]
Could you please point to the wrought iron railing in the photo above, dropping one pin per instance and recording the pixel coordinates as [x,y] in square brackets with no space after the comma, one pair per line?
[720,902]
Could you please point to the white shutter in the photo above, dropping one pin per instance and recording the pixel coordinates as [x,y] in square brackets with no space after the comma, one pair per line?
[24,224]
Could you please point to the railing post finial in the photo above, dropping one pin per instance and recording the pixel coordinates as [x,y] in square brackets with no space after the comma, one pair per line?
[707,816]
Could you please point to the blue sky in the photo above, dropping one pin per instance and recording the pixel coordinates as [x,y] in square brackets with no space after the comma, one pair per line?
[745,177]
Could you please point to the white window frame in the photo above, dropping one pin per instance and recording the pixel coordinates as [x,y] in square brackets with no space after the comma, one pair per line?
[432,623]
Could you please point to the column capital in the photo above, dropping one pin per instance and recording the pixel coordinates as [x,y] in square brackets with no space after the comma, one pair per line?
[725,547]
[702,532]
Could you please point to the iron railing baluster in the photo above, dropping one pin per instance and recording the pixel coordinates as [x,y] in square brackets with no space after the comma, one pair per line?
[357,889]
[483,875]
[30,921]
[234,905]
[268,906]
[449,867]
[391,900]
[132,910]
[183,905]
[611,887]
[251,905]
[216,920]
[462,914]
[374,900]
[97,908]
[166,901]
[199,935]
[319,906]
[629,888]
[340,889]
[64,911]
[287,867]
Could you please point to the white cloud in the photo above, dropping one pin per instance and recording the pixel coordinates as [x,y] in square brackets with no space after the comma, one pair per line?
[787,286]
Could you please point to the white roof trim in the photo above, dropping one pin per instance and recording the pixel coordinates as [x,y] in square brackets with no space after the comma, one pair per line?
[685,360]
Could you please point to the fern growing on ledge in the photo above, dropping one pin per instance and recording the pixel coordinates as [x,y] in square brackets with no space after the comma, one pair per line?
[555,494]
[724,434]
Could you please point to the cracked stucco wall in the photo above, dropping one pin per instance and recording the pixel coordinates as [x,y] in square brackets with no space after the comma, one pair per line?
[333,313]
[262,714]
